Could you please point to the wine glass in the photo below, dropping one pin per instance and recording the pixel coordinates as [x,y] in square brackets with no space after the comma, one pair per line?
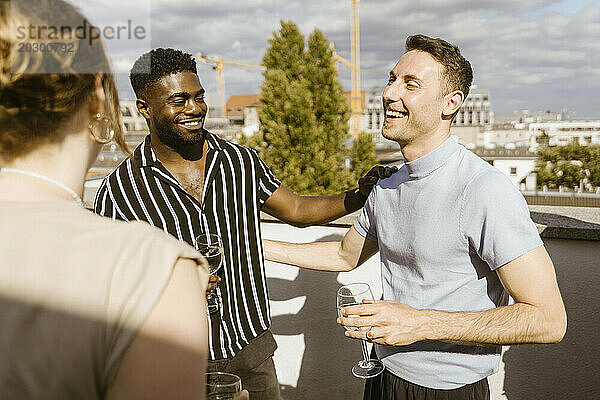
[211,247]
[222,386]
[351,295]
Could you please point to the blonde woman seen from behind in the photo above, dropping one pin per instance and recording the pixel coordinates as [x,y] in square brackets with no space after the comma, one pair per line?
[89,308]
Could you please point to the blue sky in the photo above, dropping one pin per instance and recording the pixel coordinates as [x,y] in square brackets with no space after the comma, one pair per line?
[531,54]
[568,7]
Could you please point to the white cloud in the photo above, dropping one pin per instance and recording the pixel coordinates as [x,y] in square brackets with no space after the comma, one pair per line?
[528,56]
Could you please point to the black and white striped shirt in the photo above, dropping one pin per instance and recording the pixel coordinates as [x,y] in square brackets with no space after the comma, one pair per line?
[236,186]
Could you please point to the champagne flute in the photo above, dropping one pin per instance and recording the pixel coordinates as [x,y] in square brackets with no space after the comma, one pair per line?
[351,295]
[211,247]
[222,386]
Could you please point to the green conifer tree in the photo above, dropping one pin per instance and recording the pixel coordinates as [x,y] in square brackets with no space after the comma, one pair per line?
[362,155]
[304,113]
[256,141]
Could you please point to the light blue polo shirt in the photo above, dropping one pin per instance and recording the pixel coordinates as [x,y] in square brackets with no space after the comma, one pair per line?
[444,223]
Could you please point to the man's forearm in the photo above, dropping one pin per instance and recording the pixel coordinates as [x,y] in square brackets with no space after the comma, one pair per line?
[315,210]
[538,315]
[322,256]
[514,324]
[312,210]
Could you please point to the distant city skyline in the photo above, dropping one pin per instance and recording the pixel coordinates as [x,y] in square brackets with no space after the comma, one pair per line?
[537,55]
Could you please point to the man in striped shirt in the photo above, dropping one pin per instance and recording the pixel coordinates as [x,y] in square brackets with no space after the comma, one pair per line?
[187,181]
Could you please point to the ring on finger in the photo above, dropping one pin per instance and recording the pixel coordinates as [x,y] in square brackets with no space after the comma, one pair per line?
[369,335]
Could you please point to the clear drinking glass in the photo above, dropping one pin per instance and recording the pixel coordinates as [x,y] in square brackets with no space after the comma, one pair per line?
[211,247]
[351,295]
[222,386]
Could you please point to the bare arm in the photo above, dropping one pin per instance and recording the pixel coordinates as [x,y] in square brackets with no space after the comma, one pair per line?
[303,211]
[168,357]
[538,315]
[346,255]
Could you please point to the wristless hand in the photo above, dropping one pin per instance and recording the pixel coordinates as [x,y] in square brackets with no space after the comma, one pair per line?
[360,196]
[354,200]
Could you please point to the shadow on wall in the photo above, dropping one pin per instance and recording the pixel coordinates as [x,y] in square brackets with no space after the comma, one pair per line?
[570,369]
[328,357]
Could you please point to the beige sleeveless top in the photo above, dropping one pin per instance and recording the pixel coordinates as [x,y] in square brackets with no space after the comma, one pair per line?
[74,290]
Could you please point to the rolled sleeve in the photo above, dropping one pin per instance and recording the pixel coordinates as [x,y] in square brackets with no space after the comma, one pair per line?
[267,183]
[365,223]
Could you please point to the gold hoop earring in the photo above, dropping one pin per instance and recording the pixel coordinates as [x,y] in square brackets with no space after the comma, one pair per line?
[105,126]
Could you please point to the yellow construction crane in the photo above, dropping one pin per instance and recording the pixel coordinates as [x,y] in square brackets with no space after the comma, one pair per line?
[349,65]
[354,65]
[355,106]
[355,95]
[218,63]
[340,59]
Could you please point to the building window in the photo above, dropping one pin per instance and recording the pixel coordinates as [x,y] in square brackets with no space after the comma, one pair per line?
[125,111]
[513,171]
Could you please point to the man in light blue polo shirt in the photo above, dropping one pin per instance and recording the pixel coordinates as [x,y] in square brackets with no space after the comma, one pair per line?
[455,240]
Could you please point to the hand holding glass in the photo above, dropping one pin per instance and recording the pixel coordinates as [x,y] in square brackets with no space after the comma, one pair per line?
[351,295]
[211,247]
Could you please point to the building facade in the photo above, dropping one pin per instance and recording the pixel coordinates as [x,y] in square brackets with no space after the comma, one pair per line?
[373,114]
[509,138]
[525,117]
[468,136]
[560,133]
[476,109]
[132,119]
[517,164]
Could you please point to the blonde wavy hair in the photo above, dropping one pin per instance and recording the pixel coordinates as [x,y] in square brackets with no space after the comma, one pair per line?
[41,91]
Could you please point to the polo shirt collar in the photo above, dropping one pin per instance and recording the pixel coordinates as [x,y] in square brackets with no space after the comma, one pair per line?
[427,164]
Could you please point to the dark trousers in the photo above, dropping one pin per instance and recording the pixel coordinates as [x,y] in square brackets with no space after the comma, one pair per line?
[254,365]
[388,386]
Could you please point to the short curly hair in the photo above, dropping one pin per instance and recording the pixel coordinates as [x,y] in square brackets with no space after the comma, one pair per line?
[155,64]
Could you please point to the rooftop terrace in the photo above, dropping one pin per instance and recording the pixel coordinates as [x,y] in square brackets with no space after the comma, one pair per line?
[314,358]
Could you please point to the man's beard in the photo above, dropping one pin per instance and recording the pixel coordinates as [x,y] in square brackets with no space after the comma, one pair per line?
[171,137]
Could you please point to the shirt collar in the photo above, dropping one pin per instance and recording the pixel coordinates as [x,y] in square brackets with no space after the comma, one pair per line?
[433,160]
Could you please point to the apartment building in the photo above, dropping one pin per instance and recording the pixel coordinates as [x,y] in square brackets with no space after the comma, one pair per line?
[560,133]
